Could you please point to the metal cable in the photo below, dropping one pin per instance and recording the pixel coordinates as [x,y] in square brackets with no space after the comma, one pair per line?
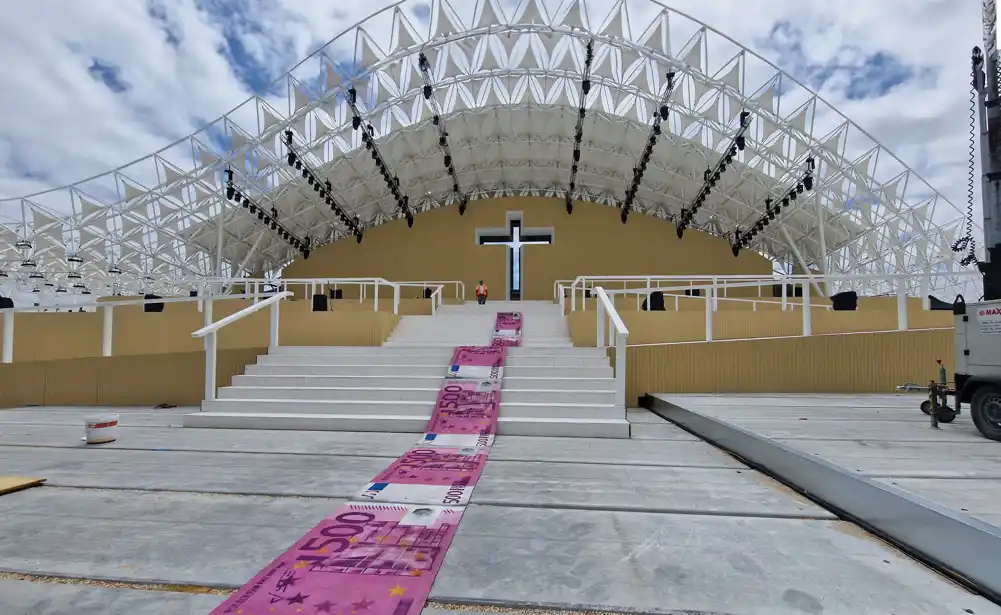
[967,243]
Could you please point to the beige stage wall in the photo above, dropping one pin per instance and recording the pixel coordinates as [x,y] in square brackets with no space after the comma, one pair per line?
[145,380]
[593,241]
[855,363]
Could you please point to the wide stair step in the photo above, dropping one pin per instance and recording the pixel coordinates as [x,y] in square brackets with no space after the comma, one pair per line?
[422,370]
[575,428]
[396,393]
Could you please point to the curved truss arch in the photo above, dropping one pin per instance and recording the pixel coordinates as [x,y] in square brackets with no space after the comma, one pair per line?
[507,88]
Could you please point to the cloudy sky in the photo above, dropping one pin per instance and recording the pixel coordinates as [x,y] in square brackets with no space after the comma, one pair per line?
[87,86]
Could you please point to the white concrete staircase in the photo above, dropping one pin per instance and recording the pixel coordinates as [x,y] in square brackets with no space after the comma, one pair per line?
[550,388]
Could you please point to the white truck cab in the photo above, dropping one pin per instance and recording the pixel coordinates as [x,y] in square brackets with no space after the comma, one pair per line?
[978,363]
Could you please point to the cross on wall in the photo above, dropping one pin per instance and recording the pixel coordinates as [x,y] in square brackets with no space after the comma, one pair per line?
[514,237]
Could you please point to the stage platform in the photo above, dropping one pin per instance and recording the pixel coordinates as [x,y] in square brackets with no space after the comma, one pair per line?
[660,523]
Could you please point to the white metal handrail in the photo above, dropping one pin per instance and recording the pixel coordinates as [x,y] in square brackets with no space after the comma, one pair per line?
[621,334]
[725,282]
[460,286]
[210,330]
[436,300]
[107,326]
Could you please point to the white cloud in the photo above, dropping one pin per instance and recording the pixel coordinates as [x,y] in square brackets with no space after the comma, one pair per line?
[60,124]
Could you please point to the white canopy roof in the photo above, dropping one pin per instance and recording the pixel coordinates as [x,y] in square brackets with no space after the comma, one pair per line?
[508,87]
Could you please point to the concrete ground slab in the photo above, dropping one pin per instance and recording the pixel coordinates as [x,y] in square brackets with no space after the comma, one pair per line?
[650,489]
[42,416]
[149,537]
[686,564]
[953,466]
[684,489]
[31,598]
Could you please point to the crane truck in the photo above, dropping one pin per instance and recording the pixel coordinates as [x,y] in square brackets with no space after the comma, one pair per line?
[978,324]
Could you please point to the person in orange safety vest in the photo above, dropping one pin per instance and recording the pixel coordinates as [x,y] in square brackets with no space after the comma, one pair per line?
[481,293]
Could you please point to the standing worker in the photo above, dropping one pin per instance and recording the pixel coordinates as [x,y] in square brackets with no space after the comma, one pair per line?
[481,293]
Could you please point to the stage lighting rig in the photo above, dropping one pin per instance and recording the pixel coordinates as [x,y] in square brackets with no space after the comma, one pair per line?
[368,138]
[713,174]
[268,217]
[651,141]
[323,189]
[585,89]
[439,122]
[742,239]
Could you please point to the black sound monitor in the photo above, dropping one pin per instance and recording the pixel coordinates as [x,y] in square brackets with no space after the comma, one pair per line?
[320,303]
[845,302]
[152,307]
[937,304]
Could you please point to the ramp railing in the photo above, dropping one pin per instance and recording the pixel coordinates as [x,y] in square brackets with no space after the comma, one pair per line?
[609,322]
[210,330]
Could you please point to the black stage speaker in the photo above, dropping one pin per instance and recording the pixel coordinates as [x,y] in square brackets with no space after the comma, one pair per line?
[192,293]
[336,293]
[792,290]
[320,303]
[937,304]
[846,301]
[693,292]
[427,293]
[657,301]
[566,292]
[6,302]
[152,307]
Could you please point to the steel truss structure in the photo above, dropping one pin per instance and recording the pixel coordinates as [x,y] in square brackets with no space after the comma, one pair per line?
[508,90]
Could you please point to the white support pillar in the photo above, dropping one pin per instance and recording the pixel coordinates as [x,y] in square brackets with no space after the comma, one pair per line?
[220,237]
[201,295]
[107,331]
[601,324]
[902,304]
[926,290]
[273,338]
[709,318]
[821,224]
[785,294]
[210,353]
[396,299]
[377,299]
[573,297]
[807,322]
[8,337]
[715,294]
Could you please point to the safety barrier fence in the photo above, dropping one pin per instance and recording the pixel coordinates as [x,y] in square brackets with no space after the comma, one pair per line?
[718,287]
[211,290]
[383,548]
[708,290]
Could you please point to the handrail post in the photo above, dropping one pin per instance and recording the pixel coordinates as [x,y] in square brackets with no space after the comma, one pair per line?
[807,322]
[396,299]
[210,353]
[561,298]
[573,296]
[785,293]
[601,324]
[376,296]
[620,368]
[709,317]
[8,336]
[273,338]
[107,329]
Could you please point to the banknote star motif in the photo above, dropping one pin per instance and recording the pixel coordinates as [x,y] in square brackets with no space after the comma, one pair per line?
[297,599]
[397,591]
[362,605]
[286,582]
[326,607]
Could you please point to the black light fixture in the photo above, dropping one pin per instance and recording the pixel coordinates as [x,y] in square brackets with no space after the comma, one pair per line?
[324,190]
[22,245]
[74,258]
[585,89]
[772,209]
[713,174]
[73,275]
[3,274]
[114,270]
[357,123]
[662,113]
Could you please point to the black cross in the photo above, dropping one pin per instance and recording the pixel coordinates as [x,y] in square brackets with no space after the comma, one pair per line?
[514,240]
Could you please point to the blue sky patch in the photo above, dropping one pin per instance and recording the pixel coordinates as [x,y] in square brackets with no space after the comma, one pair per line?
[865,76]
[109,75]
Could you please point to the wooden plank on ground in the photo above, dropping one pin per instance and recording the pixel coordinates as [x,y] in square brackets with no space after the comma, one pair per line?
[9,484]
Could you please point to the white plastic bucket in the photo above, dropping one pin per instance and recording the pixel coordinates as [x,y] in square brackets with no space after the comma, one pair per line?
[101,428]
